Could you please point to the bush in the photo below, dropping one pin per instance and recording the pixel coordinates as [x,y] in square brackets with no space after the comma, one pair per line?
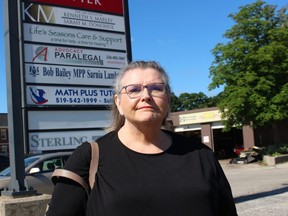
[276,150]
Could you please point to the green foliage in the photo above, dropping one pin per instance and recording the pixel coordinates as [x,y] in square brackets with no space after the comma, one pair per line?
[190,101]
[175,104]
[276,150]
[253,67]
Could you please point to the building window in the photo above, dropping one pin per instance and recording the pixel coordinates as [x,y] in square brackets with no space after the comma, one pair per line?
[3,135]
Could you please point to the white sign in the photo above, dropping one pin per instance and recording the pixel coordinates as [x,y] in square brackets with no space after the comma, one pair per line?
[44,141]
[68,119]
[206,139]
[38,73]
[51,95]
[72,36]
[72,17]
[35,53]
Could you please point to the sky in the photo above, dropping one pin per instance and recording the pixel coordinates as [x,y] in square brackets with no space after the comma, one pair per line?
[180,35]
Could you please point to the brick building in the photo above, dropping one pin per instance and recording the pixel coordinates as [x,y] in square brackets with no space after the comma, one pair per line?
[206,124]
[4,138]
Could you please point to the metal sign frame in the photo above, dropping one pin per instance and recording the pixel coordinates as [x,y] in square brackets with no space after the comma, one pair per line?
[98,51]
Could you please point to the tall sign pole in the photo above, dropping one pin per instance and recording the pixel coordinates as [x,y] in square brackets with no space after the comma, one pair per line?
[17,184]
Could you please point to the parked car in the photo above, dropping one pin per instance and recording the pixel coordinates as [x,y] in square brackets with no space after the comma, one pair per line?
[4,162]
[38,171]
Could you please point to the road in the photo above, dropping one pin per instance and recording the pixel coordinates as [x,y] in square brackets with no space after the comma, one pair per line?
[258,190]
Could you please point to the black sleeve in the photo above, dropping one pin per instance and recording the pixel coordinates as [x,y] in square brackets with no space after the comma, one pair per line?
[69,198]
[226,201]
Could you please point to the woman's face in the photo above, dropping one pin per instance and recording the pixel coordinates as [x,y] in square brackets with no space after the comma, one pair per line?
[146,108]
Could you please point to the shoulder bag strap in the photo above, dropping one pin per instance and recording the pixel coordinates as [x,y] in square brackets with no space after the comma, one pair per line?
[70,175]
[93,163]
[77,178]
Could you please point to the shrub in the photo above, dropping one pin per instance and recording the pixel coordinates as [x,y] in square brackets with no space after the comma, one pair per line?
[276,150]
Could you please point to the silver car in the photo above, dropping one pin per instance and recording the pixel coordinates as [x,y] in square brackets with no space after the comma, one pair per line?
[38,171]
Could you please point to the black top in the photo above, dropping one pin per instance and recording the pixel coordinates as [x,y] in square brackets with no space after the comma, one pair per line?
[184,180]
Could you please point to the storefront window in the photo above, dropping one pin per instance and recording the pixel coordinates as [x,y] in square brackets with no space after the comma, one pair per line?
[3,135]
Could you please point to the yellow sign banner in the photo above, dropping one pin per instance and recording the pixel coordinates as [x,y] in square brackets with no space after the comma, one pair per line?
[201,117]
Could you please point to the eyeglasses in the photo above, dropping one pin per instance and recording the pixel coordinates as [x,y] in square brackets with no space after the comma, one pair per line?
[136,90]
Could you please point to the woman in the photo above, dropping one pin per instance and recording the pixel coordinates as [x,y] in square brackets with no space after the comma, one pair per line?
[143,169]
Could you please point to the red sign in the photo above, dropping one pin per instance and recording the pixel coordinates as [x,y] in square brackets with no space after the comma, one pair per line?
[109,6]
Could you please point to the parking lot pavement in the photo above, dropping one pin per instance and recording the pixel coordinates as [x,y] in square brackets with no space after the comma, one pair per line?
[257,189]
[273,203]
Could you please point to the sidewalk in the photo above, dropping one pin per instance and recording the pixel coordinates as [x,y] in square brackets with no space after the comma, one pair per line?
[258,190]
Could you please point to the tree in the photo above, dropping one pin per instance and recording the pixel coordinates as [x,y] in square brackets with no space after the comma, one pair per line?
[253,67]
[175,104]
[213,100]
[189,101]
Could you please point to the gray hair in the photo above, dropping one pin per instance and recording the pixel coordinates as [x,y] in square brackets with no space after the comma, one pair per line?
[117,120]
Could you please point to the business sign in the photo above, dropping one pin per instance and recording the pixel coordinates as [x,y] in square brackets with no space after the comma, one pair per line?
[51,95]
[70,53]
[71,17]
[110,6]
[35,53]
[47,141]
[62,74]
[61,119]
[201,117]
[69,36]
